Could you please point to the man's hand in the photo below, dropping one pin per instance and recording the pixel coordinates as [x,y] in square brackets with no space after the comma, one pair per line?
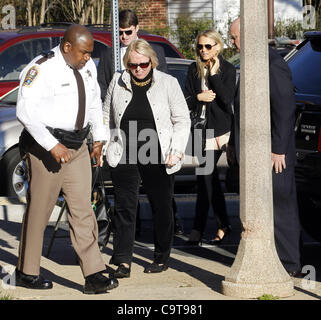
[60,153]
[278,162]
[96,152]
[206,96]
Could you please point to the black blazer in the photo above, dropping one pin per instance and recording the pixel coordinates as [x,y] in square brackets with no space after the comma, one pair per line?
[282,108]
[105,67]
[219,111]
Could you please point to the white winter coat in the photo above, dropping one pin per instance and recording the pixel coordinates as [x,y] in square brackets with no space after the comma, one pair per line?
[169,109]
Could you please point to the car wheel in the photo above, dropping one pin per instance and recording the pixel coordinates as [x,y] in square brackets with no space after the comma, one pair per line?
[13,174]
[310,215]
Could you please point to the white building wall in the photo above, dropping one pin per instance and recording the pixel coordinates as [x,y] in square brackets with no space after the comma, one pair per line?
[223,11]
[196,8]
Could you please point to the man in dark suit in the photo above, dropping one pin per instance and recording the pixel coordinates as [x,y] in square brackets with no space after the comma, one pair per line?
[282,105]
[128,31]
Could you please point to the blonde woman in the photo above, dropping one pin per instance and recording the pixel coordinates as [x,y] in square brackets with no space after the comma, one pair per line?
[143,99]
[210,86]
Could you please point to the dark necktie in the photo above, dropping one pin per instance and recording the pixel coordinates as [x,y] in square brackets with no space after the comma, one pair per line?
[81,100]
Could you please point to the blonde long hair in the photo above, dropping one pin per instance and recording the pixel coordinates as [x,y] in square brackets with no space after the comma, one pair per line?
[213,35]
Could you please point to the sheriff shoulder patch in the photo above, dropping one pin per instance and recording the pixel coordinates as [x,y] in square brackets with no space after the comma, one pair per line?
[31,76]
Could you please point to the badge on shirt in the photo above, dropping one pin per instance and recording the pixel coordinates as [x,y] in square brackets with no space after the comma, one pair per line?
[88,73]
[31,76]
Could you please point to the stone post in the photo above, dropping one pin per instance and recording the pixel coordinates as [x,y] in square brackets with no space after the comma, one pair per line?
[257,269]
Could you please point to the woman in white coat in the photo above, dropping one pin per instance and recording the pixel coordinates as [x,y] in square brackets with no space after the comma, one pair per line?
[149,125]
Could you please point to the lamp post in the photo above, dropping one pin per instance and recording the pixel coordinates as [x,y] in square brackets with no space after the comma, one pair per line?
[257,269]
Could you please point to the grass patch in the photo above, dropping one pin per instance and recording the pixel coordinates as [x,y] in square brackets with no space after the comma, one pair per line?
[6,296]
[268,297]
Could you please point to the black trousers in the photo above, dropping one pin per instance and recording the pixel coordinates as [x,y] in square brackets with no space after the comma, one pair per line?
[159,187]
[287,230]
[209,192]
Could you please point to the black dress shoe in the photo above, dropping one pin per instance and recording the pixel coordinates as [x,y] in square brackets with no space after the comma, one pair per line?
[218,239]
[97,283]
[122,272]
[155,268]
[296,274]
[31,282]
[178,228]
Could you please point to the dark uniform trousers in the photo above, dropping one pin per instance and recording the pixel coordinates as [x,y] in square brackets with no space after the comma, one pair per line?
[158,186]
[286,219]
[46,179]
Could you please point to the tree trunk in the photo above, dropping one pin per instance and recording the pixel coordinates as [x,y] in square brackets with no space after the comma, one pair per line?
[29,10]
[42,11]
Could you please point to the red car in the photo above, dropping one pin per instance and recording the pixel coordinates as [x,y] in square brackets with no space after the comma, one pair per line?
[19,47]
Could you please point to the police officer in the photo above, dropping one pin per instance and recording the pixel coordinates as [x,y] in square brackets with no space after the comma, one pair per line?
[58,96]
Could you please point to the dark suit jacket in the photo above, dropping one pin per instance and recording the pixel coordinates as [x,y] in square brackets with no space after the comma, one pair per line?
[105,67]
[218,111]
[282,105]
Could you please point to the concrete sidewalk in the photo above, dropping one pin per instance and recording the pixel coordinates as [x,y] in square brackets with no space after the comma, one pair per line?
[195,273]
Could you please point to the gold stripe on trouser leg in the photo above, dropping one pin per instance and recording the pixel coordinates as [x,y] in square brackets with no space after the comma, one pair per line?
[83,225]
[43,191]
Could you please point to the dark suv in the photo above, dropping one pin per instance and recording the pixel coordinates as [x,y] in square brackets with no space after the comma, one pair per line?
[305,64]
[19,47]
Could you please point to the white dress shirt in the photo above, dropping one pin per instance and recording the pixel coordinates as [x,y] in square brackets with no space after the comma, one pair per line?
[123,50]
[48,96]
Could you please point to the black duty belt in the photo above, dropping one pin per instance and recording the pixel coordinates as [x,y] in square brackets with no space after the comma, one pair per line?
[70,139]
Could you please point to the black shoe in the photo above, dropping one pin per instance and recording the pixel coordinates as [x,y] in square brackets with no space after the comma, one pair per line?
[31,282]
[219,239]
[155,268]
[178,228]
[97,283]
[296,274]
[122,272]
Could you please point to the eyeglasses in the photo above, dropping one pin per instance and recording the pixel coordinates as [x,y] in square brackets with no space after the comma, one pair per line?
[207,46]
[128,32]
[142,65]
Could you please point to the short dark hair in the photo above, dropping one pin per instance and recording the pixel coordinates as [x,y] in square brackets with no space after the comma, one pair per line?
[127,18]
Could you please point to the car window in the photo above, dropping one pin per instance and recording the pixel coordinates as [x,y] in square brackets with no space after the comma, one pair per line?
[11,98]
[179,71]
[16,57]
[168,50]
[304,65]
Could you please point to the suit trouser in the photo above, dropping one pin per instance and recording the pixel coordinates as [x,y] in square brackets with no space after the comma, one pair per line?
[287,228]
[46,179]
[158,186]
[209,192]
